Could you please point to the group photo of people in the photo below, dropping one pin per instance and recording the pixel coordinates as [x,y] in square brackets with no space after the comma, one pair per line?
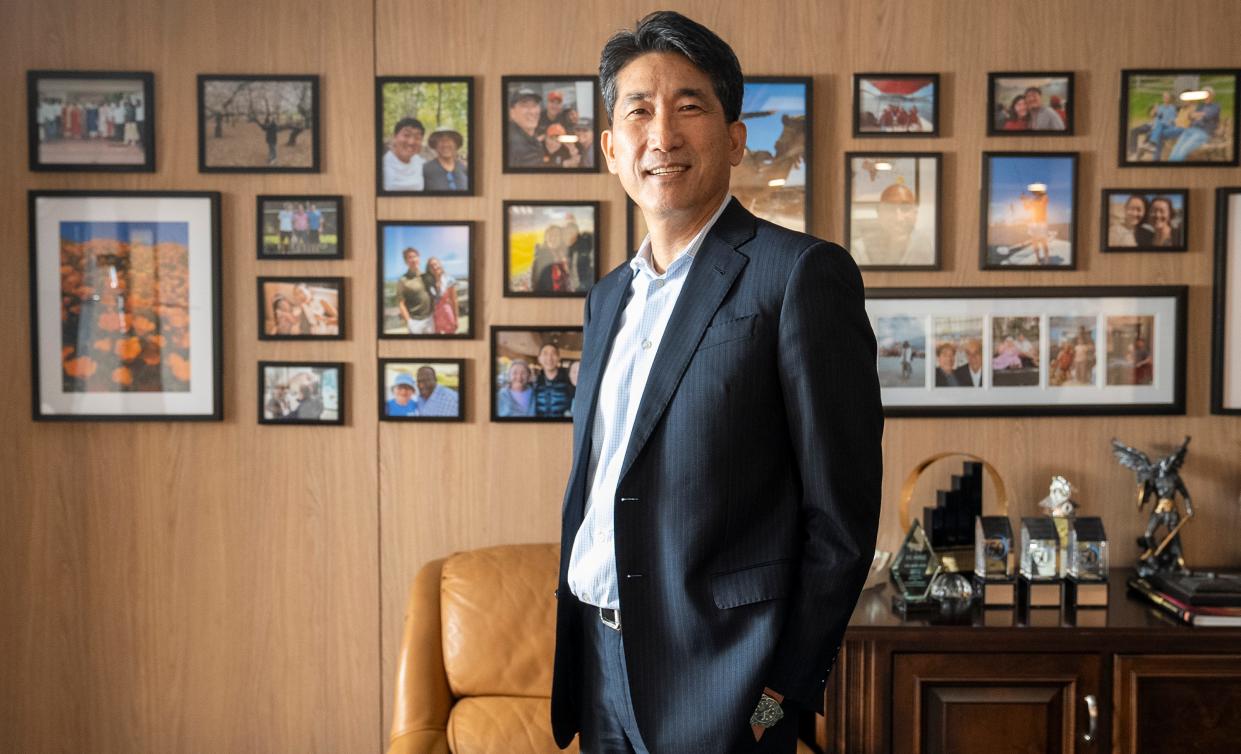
[1029,210]
[535,372]
[1015,351]
[897,104]
[1072,351]
[893,210]
[255,123]
[958,352]
[901,343]
[551,125]
[424,134]
[302,393]
[550,248]
[293,227]
[1031,103]
[1130,350]
[92,121]
[426,279]
[1138,221]
[1180,117]
[421,390]
[306,308]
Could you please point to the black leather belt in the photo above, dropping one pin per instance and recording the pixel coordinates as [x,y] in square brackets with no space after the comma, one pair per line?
[610,618]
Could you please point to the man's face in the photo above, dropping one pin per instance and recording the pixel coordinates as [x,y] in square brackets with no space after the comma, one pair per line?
[549,358]
[426,381]
[554,106]
[1135,210]
[411,261]
[973,354]
[406,143]
[1034,99]
[897,217]
[525,113]
[403,394]
[670,144]
[585,137]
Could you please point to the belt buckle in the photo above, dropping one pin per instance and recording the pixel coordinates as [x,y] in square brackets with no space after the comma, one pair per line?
[614,623]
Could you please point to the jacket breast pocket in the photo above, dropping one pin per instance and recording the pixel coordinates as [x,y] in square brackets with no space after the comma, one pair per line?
[726,332]
[758,583]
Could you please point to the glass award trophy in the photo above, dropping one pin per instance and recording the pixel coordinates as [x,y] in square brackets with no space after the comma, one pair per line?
[913,569]
[994,561]
[1040,562]
[1088,562]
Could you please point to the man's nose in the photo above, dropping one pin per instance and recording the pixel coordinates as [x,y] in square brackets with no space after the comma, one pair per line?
[663,132]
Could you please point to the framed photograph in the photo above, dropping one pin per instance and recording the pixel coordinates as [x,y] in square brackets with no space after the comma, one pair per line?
[301,308]
[300,227]
[773,179]
[551,249]
[895,104]
[91,121]
[258,124]
[1178,117]
[635,228]
[426,279]
[534,372]
[1226,338]
[421,390]
[551,124]
[1021,103]
[1030,351]
[1145,220]
[424,139]
[301,392]
[892,209]
[125,305]
[1029,215]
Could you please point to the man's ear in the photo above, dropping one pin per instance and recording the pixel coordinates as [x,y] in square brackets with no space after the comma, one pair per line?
[608,147]
[736,139]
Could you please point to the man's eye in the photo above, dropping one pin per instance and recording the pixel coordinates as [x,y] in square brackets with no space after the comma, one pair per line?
[690,107]
[638,111]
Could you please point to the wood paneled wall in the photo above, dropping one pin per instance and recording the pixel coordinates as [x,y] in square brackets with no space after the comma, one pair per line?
[229,587]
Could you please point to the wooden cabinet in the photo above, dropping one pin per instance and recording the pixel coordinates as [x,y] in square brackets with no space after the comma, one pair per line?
[990,682]
[983,703]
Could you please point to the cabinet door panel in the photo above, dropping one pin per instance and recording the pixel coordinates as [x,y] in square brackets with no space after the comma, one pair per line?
[984,703]
[1182,703]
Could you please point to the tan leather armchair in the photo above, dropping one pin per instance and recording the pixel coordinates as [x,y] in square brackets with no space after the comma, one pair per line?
[475,671]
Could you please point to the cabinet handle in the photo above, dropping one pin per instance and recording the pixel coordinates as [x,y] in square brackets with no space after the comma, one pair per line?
[1092,712]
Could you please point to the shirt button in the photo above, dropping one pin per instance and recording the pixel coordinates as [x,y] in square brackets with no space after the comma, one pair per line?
[646,345]
[659,283]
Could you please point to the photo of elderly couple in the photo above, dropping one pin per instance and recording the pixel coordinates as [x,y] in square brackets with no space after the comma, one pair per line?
[535,371]
[410,389]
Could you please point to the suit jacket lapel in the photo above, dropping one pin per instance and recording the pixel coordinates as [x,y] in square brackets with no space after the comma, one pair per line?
[711,275]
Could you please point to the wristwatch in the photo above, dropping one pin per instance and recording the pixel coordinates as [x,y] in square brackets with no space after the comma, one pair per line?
[767,713]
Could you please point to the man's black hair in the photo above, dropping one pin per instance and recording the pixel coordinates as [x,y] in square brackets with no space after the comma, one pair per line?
[669,31]
[408,123]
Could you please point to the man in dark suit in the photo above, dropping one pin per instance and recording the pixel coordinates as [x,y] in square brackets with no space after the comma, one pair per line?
[721,512]
[969,374]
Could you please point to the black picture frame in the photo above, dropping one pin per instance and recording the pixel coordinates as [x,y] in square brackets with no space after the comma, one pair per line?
[807,137]
[1225,357]
[1149,196]
[633,219]
[984,261]
[1126,130]
[470,306]
[384,388]
[938,158]
[335,199]
[205,218]
[1172,300]
[506,91]
[471,143]
[1070,108]
[341,393]
[316,130]
[493,379]
[508,206]
[34,122]
[342,307]
[860,78]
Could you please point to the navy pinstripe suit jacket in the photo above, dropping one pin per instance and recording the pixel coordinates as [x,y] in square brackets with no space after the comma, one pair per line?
[749,496]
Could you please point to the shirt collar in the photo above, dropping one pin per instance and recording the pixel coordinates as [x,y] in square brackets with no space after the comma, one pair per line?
[641,261]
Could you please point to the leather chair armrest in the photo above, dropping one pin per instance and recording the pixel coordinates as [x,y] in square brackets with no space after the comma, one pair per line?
[421,697]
